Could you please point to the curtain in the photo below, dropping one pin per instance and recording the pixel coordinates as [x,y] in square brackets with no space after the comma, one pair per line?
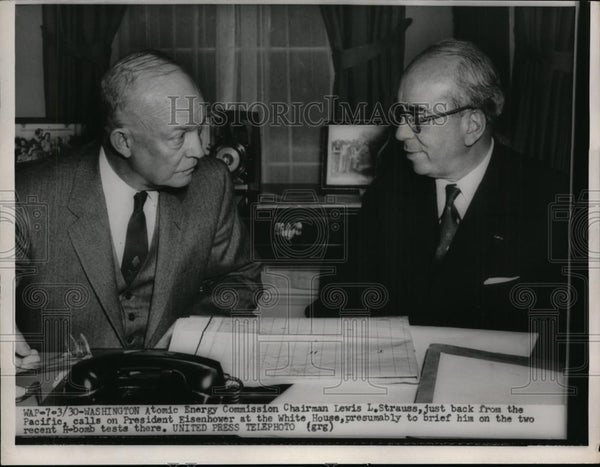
[367,44]
[276,55]
[541,116]
[226,72]
[265,54]
[488,29]
[77,49]
[242,37]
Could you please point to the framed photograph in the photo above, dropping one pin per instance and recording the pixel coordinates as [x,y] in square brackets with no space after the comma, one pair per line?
[38,140]
[350,154]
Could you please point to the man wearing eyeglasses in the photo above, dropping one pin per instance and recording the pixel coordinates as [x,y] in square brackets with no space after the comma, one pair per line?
[457,222]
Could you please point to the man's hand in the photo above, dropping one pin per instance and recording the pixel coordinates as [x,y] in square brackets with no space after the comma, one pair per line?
[26,358]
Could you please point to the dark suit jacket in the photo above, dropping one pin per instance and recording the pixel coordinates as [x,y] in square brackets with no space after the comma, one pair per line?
[66,258]
[504,234]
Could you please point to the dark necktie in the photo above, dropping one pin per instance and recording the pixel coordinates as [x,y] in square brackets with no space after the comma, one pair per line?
[449,222]
[136,243]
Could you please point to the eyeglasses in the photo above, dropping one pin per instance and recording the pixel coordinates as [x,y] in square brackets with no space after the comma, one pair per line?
[413,115]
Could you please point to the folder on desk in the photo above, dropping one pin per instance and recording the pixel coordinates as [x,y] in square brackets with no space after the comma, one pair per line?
[288,350]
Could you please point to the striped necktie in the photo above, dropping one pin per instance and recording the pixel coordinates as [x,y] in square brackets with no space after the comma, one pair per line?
[136,242]
[449,222]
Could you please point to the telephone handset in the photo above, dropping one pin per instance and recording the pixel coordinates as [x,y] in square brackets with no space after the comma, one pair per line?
[146,377]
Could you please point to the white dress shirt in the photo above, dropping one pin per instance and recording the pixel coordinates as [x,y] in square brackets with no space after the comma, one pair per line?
[119,204]
[468,186]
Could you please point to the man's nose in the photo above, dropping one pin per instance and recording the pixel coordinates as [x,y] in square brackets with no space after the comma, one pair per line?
[195,148]
[404,132]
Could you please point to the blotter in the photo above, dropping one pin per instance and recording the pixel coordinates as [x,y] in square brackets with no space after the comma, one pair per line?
[284,351]
[464,375]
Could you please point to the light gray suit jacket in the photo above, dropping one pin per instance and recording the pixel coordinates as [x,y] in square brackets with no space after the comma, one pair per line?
[65,267]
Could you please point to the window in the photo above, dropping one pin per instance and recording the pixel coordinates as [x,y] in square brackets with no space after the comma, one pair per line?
[276,53]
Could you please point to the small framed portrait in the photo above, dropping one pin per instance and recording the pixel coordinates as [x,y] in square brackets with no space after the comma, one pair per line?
[350,154]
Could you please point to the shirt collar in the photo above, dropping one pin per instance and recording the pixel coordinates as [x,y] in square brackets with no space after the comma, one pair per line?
[115,188]
[468,186]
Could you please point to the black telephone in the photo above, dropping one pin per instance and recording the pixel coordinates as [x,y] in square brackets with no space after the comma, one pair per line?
[146,377]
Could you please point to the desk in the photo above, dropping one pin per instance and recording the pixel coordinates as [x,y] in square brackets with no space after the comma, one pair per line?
[292,304]
[513,343]
[463,386]
[493,341]
[549,407]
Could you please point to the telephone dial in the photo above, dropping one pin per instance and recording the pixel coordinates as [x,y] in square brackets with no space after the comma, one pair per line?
[146,377]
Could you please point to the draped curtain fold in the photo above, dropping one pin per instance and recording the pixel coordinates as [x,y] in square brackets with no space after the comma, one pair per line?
[542,83]
[77,48]
[488,29]
[367,45]
[240,43]
[226,69]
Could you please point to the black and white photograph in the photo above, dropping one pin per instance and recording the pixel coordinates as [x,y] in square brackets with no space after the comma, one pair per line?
[351,154]
[361,229]
[38,141]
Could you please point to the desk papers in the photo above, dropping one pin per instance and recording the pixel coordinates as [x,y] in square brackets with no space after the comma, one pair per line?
[289,350]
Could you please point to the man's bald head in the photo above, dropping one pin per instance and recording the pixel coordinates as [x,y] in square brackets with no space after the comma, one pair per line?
[450,96]
[147,143]
[473,75]
[119,83]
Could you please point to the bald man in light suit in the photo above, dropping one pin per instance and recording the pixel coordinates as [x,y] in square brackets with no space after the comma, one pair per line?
[142,229]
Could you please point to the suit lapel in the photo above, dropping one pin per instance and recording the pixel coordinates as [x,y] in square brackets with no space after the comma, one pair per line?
[178,226]
[427,216]
[480,222]
[90,236]
[170,220]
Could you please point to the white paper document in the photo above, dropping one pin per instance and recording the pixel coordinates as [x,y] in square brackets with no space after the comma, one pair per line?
[289,350]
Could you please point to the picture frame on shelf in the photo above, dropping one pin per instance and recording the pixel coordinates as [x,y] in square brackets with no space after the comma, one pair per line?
[350,153]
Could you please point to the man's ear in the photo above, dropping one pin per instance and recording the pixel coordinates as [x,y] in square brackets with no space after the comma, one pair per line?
[476,123]
[121,140]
